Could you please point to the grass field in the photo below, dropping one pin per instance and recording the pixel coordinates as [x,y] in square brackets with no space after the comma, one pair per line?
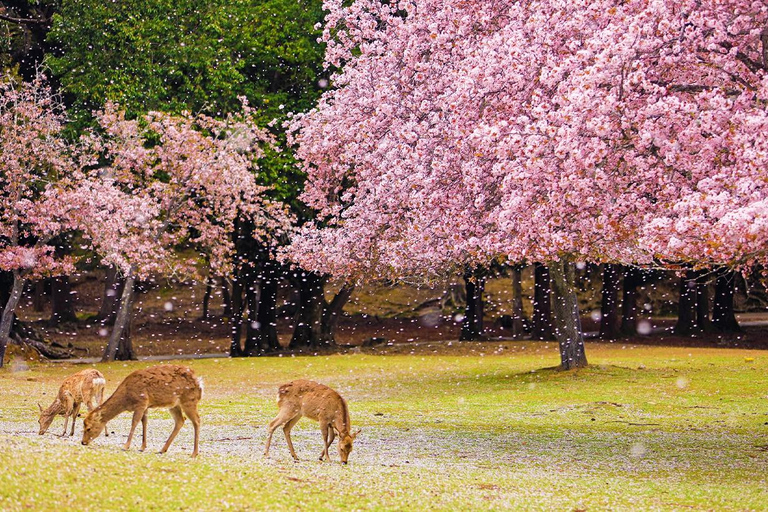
[444,428]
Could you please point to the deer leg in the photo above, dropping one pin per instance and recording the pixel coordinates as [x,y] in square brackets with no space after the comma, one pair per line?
[137,415]
[191,411]
[143,432]
[331,437]
[75,412]
[178,417]
[282,417]
[324,428]
[66,422]
[287,431]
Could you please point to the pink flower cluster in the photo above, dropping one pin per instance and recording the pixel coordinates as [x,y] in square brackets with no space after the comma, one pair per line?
[459,131]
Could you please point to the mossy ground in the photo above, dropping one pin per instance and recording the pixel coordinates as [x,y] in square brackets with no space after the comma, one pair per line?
[642,428]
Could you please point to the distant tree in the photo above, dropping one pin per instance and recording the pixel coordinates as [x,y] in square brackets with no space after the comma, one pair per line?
[35,161]
[171,180]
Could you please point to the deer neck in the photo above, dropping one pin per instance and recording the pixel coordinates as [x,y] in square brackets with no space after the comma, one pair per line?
[111,408]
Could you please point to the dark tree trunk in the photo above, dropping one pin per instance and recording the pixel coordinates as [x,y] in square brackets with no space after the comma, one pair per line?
[262,337]
[237,307]
[686,306]
[518,317]
[632,281]
[206,314]
[252,299]
[334,310]
[226,298]
[610,323]
[62,303]
[8,315]
[723,313]
[308,332]
[472,326]
[38,302]
[110,299]
[119,339]
[541,328]
[566,314]
[702,304]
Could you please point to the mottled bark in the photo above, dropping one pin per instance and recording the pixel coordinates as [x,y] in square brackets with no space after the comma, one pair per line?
[541,328]
[6,320]
[610,322]
[119,339]
[565,306]
[226,298]
[110,299]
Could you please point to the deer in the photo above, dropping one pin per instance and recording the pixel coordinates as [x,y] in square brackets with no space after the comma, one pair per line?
[318,402]
[173,387]
[86,387]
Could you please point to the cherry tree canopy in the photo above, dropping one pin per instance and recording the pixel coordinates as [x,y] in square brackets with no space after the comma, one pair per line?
[34,157]
[464,130]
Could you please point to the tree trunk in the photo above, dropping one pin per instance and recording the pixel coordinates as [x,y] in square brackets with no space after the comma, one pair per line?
[235,349]
[263,339]
[62,303]
[566,315]
[226,298]
[542,307]
[38,302]
[723,314]
[6,321]
[110,299]
[629,301]
[518,317]
[308,332]
[252,299]
[472,326]
[206,314]
[119,336]
[610,323]
[686,306]
[702,304]
[334,310]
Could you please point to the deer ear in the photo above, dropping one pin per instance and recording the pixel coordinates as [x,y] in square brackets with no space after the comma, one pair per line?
[354,436]
[40,406]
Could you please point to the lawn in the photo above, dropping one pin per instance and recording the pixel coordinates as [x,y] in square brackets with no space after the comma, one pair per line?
[443,428]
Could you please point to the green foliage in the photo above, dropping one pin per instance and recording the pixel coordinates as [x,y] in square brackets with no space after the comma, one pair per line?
[177,55]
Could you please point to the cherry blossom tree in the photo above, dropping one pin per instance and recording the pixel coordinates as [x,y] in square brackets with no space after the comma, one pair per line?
[171,180]
[544,131]
[34,160]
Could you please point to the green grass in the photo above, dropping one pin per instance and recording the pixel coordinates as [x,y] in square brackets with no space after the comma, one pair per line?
[643,428]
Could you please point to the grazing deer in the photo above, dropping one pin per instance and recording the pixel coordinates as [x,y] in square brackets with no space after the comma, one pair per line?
[320,403]
[85,386]
[171,386]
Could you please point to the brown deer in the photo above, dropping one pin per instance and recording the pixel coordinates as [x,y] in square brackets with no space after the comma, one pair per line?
[320,403]
[85,386]
[174,387]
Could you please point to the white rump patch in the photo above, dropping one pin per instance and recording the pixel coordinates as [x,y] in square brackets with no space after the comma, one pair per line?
[200,383]
[99,382]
